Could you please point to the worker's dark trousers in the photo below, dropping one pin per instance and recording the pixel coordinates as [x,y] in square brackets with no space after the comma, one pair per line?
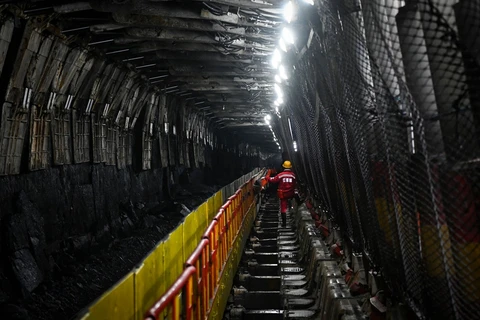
[284,204]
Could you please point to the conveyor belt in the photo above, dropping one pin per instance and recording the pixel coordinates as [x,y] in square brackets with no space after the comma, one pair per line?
[288,272]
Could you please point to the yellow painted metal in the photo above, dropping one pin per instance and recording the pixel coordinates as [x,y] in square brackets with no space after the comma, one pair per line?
[228,273]
[190,237]
[149,281]
[135,293]
[218,200]
[202,213]
[117,303]
[174,257]
[211,208]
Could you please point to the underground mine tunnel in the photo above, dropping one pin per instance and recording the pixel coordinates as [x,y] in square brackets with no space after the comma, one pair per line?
[140,141]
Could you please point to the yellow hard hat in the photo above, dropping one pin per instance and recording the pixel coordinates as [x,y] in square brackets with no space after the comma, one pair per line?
[287,165]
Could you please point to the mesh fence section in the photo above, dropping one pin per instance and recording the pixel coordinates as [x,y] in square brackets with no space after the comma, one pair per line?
[385,111]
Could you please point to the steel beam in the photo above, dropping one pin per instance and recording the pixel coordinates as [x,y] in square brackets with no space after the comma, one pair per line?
[217,87]
[196,56]
[173,35]
[240,105]
[187,71]
[138,20]
[159,34]
[73,7]
[145,7]
[258,4]
[234,100]
[145,47]
[174,23]
[219,80]
[218,65]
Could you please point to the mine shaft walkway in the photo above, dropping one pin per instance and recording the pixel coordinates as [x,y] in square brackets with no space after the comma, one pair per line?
[235,261]
[289,272]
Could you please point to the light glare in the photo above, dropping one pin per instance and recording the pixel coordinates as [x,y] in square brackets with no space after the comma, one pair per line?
[276,58]
[287,36]
[288,11]
[282,45]
[282,72]
[279,101]
[278,79]
[278,90]
[310,2]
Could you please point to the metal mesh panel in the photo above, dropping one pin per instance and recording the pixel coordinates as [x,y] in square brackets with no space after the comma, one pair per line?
[385,111]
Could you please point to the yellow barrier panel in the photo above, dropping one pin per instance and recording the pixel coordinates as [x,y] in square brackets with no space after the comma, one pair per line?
[149,281]
[202,213]
[211,208]
[131,297]
[174,257]
[117,303]
[218,201]
[190,239]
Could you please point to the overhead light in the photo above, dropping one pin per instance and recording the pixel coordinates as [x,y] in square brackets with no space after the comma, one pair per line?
[276,109]
[310,2]
[282,45]
[278,90]
[267,119]
[288,11]
[276,58]
[282,72]
[279,101]
[277,78]
[287,36]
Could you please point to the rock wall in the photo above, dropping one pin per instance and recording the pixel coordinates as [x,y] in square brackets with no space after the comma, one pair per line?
[68,210]
[65,208]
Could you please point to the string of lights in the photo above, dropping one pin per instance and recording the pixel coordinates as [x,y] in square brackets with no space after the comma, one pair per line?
[285,44]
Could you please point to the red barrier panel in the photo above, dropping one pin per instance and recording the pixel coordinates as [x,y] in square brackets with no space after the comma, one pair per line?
[171,298]
[212,234]
[200,259]
[222,236]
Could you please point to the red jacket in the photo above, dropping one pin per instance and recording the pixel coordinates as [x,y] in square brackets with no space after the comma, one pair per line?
[286,182]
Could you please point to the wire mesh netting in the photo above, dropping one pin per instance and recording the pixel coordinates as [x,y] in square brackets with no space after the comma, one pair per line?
[385,112]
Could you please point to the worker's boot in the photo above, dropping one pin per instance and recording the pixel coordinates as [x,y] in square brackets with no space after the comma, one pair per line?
[284,220]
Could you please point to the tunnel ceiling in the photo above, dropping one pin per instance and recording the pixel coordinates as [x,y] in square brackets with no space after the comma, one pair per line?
[216,53]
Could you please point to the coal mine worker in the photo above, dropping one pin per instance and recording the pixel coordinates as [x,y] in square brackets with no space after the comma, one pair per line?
[286,188]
